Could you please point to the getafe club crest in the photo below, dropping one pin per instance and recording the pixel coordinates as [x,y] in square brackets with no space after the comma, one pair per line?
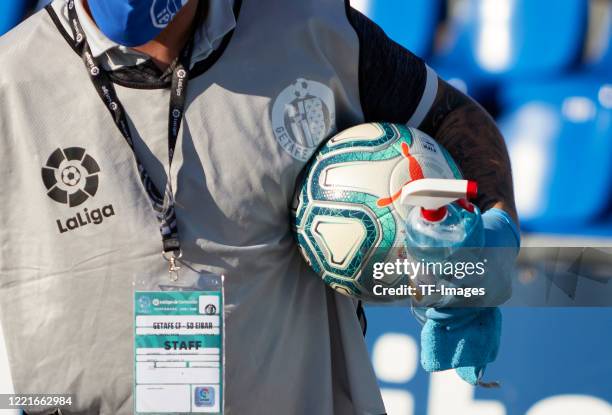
[163,11]
[303,115]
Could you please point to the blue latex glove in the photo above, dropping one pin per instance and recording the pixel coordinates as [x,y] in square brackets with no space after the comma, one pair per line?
[467,339]
[501,232]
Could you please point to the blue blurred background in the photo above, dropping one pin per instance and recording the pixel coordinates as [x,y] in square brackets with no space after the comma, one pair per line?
[543,68]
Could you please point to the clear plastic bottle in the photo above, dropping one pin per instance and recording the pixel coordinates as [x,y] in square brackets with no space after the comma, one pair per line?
[436,239]
[442,220]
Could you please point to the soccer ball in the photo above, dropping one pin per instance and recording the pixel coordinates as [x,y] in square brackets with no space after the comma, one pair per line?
[346,211]
[71,176]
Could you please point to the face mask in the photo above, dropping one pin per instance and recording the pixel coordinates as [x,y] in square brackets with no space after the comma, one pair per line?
[133,22]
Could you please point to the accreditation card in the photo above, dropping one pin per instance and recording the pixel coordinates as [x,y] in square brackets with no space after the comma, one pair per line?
[178,352]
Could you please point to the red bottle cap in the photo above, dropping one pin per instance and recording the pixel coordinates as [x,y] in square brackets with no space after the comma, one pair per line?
[434,215]
[472,190]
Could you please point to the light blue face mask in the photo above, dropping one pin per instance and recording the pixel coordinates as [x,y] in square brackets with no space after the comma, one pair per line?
[133,22]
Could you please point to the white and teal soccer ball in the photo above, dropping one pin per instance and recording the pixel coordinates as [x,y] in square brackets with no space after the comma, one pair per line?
[346,212]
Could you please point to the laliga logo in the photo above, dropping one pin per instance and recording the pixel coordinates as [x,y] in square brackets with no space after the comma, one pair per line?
[91,65]
[71,176]
[144,303]
[163,11]
[181,74]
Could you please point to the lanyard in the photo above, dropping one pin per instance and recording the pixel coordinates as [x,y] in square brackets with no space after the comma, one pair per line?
[164,206]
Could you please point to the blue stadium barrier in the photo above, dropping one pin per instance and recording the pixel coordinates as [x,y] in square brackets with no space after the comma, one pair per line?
[492,40]
[11,13]
[551,361]
[559,135]
[411,23]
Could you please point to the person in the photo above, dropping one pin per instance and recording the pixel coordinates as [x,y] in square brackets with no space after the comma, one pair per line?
[86,149]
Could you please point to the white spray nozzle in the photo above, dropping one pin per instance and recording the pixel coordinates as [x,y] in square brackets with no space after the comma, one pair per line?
[432,195]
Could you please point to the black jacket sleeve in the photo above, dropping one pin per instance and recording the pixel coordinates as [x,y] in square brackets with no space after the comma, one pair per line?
[392,79]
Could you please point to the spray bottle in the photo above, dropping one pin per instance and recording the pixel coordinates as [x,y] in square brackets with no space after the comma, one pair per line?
[443,219]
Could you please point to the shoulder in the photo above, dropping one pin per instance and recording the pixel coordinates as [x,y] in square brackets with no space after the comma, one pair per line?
[332,12]
[34,60]
[393,82]
[31,46]
[367,30]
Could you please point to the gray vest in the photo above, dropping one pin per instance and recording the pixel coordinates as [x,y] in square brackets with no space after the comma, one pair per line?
[286,81]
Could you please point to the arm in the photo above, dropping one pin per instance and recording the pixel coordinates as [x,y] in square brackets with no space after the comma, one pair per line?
[469,133]
[396,86]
